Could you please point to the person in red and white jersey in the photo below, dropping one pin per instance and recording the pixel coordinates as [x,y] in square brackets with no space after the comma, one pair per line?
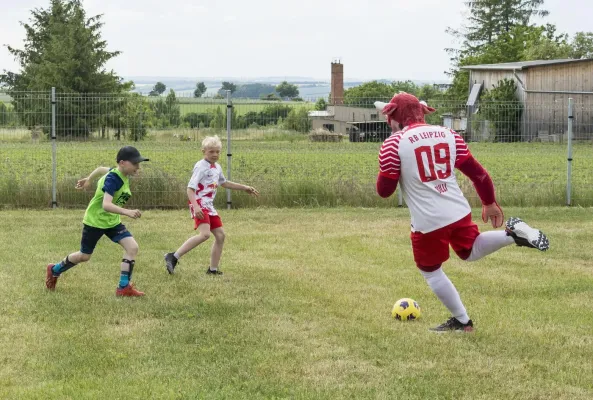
[207,176]
[423,158]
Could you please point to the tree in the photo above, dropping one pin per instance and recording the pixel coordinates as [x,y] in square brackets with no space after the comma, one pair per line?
[298,120]
[173,109]
[218,121]
[228,86]
[195,120]
[158,89]
[366,94]
[286,89]
[7,116]
[167,111]
[320,104]
[268,116]
[582,45]
[138,116]
[488,19]
[62,49]
[503,109]
[254,90]
[200,89]
[271,97]
[491,35]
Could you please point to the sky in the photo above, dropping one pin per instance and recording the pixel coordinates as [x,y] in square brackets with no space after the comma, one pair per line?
[374,39]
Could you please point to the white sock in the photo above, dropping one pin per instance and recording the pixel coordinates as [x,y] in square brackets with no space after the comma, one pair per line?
[447,294]
[489,242]
[176,255]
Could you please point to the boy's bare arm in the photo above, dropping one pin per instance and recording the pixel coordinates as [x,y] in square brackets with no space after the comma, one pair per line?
[115,209]
[237,186]
[85,182]
[191,196]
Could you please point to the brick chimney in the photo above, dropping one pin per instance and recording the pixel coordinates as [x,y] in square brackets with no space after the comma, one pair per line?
[337,83]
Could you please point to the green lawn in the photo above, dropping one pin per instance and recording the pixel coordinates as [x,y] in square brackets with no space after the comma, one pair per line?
[303,311]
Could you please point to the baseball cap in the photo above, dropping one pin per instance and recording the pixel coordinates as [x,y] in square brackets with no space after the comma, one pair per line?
[131,154]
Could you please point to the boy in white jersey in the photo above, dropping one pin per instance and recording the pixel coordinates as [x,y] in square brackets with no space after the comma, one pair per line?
[207,176]
[423,159]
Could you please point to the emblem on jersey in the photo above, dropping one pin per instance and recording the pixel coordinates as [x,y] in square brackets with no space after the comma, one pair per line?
[122,199]
[441,188]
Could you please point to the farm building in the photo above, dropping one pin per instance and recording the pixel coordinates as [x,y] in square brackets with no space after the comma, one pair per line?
[358,123]
[543,89]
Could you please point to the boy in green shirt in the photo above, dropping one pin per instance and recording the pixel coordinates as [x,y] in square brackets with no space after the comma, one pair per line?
[102,217]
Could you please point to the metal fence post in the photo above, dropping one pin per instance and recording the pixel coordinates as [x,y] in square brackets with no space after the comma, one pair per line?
[54,156]
[229,115]
[569,158]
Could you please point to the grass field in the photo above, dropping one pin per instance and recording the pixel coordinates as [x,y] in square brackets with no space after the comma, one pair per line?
[302,312]
[287,168]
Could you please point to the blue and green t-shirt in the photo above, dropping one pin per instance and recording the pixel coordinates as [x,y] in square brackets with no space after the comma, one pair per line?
[117,185]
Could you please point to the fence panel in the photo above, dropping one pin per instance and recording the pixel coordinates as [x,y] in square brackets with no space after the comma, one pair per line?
[297,153]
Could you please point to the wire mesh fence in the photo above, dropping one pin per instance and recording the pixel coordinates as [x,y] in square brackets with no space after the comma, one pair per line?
[297,153]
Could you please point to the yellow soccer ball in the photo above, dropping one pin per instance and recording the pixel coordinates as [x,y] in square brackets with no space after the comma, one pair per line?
[406,310]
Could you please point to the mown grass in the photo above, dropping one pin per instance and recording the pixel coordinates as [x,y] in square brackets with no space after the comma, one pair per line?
[302,312]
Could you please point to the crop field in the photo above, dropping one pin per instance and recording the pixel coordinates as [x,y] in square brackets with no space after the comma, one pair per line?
[288,169]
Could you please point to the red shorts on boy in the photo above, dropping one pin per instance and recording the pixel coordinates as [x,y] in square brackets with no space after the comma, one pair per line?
[213,220]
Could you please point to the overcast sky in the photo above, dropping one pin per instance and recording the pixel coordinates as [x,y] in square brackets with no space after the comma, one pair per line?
[396,39]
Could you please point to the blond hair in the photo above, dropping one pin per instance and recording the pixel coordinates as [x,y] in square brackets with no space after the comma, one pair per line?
[211,142]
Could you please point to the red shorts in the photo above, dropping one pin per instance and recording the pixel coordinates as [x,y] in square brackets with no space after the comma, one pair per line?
[213,220]
[432,249]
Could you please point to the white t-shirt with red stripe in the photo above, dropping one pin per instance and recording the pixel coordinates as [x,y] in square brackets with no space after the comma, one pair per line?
[205,180]
[423,158]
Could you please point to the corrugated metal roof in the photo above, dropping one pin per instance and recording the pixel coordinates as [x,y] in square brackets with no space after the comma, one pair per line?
[365,122]
[524,64]
[320,114]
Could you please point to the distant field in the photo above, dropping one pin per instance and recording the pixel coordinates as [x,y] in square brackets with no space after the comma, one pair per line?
[241,106]
[209,105]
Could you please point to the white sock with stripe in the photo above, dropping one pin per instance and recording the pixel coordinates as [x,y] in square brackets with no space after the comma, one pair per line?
[489,242]
[447,294]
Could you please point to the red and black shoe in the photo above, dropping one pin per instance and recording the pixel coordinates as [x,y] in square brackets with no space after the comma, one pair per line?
[128,291]
[50,278]
[453,325]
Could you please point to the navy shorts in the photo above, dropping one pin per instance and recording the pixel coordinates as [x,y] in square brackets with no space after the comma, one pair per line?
[91,235]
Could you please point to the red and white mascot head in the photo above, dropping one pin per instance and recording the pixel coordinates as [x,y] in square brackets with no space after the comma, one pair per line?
[404,109]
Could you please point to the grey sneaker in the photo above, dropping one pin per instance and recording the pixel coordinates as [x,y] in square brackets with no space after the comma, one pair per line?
[526,236]
[170,262]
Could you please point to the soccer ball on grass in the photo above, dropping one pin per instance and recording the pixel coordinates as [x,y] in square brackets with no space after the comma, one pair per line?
[406,309]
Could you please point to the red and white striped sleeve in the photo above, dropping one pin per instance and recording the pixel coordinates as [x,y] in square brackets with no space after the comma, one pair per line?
[462,151]
[389,162]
